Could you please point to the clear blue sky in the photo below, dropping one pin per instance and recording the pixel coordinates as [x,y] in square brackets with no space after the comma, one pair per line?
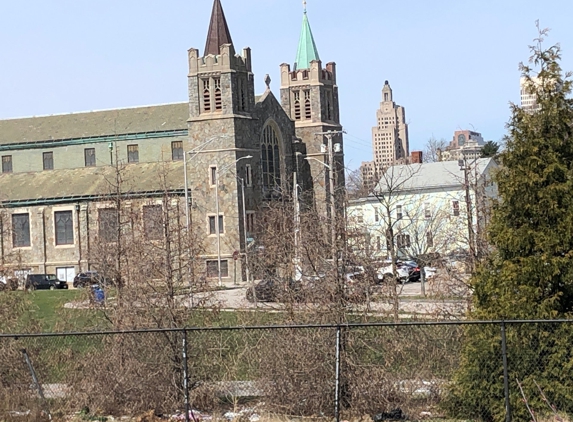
[451,63]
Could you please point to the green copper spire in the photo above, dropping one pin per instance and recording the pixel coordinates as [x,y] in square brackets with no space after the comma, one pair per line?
[307,50]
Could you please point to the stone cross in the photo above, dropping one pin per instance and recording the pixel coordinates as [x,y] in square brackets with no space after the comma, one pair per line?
[268,81]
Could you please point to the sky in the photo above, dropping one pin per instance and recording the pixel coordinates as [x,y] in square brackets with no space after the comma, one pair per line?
[453,64]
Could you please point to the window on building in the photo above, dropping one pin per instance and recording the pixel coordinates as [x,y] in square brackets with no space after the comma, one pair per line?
[206,95]
[296,97]
[133,153]
[108,224]
[376,215]
[248,175]
[90,157]
[213,175]
[307,105]
[389,239]
[250,221]
[378,243]
[177,150]
[403,241]
[456,208]
[329,105]
[213,225]
[64,227]
[212,268]
[21,230]
[429,239]
[48,159]
[270,160]
[6,164]
[218,96]
[153,222]
[427,210]
[385,96]
[398,212]
[242,106]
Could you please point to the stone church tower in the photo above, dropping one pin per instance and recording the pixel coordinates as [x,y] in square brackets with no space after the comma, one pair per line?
[309,95]
[242,146]
[221,84]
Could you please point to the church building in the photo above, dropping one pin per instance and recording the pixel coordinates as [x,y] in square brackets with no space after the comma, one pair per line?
[224,154]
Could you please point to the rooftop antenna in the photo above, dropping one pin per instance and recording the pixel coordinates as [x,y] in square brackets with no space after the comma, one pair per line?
[304,5]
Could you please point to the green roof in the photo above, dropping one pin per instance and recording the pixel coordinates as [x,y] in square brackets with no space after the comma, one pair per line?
[157,118]
[45,186]
[307,51]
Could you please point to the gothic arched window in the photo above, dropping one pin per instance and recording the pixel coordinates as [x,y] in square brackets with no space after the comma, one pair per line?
[270,159]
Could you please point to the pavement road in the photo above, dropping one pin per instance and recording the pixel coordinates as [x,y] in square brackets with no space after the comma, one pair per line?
[411,302]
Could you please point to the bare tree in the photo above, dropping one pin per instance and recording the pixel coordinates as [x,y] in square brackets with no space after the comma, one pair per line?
[355,187]
[433,148]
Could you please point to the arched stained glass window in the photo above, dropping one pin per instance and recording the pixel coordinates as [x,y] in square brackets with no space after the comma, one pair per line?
[270,157]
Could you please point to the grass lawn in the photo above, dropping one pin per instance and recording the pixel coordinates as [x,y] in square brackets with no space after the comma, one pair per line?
[46,313]
[47,308]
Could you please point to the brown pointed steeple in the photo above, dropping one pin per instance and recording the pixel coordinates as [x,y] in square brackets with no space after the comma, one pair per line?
[218,31]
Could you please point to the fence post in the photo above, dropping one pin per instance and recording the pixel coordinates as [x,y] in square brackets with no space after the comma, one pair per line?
[505,373]
[36,382]
[337,376]
[186,377]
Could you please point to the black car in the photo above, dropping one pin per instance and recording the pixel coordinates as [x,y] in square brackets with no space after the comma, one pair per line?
[89,278]
[413,271]
[44,281]
[273,290]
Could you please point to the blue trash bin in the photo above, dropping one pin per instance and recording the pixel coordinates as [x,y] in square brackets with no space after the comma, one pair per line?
[98,295]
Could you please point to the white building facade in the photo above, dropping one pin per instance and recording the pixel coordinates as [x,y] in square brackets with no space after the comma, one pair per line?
[422,209]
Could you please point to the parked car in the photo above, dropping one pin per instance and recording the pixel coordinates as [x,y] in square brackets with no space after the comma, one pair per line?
[386,273]
[89,278]
[407,271]
[413,271]
[44,281]
[272,290]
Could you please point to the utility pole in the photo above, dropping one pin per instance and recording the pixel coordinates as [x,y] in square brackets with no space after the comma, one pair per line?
[463,163]
[331,181]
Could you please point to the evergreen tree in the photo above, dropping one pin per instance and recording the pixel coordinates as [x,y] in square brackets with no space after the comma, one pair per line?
[490,149]
[529,275]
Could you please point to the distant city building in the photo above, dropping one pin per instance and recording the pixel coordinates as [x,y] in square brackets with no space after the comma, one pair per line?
[465,144]
[369,175]
[528,99]
[417,157]
[370,171]
[390,141]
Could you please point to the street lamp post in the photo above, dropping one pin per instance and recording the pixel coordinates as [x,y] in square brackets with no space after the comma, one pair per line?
[245,228]
[217,227]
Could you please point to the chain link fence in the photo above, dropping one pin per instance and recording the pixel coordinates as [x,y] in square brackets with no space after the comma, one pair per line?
[491,370]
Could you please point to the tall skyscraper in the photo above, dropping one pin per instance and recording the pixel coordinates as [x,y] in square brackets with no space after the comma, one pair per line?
[528,100]
[390,142]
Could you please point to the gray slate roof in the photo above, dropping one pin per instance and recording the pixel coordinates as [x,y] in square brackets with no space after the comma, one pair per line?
[95,123]
[429,175]
[90,181]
